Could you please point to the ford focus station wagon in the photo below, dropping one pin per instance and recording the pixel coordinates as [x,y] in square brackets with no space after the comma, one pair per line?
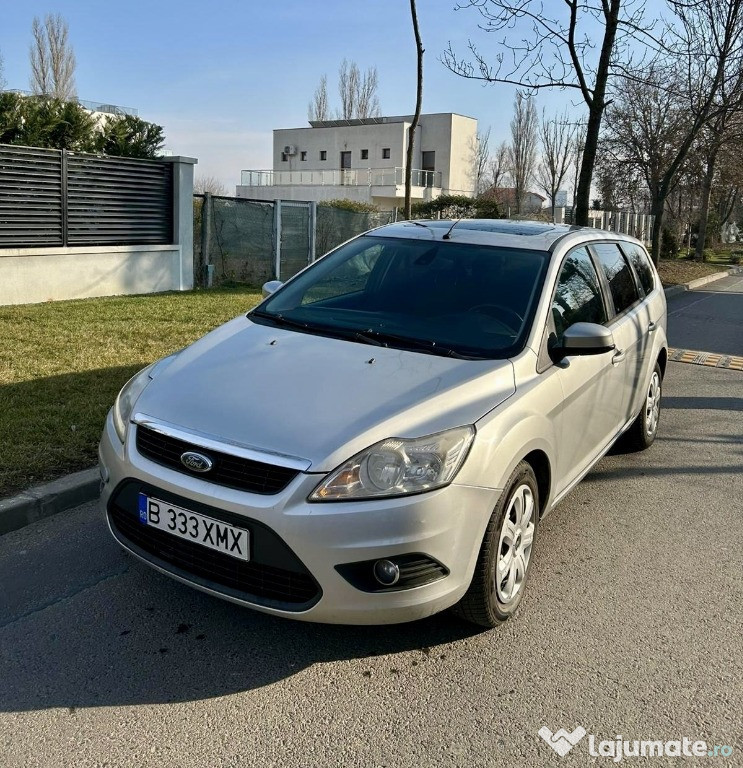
[380,438]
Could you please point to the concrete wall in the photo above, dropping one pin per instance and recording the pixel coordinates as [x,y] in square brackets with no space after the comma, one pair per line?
[353,138]
[32,275]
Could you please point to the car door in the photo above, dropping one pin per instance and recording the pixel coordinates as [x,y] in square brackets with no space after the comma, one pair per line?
[651,315]
[628,322]
[592,385]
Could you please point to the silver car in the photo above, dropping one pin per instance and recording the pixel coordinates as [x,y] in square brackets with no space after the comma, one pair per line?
[380,438]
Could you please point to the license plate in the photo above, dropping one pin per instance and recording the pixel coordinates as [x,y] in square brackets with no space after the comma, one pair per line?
[194,527]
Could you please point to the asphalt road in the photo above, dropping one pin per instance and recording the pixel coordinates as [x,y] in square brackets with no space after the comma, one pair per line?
[709,319]
[631,625]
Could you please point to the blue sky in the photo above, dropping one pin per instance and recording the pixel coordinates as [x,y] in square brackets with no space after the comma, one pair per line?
[220,75]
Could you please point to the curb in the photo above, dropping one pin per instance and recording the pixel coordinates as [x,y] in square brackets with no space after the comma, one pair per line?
[48,499]
[675,290]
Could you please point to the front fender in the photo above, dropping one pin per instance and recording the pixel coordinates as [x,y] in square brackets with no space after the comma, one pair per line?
[522,424]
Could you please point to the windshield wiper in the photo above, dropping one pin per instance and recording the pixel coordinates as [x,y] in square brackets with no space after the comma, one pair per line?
[341,333]
[282,320]
[431,347]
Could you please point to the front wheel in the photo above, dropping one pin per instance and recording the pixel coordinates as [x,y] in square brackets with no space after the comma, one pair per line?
[505,554]
[641,434]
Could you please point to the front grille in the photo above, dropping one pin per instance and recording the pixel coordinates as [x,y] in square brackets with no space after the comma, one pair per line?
[274,576]
[230,471]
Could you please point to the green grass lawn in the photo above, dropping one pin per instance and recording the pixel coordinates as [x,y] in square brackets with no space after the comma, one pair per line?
[62,363]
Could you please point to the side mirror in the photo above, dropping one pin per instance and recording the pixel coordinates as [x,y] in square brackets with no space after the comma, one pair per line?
[584,339]
[271,287]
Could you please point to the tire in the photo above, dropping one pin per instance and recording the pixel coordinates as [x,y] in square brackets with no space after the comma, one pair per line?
[492,599]
[641,435]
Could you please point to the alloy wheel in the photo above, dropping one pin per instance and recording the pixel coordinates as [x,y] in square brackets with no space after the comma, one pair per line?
[514,545]
[652,405]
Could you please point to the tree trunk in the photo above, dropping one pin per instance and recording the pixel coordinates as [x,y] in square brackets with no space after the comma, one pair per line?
[658,206]
[590,149]
[418,103]
[709,176]
[596,105]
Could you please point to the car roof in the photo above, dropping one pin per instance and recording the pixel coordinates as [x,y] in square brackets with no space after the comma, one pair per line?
[506,233]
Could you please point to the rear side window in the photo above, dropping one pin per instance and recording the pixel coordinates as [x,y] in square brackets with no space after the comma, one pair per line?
[577,296]
[618,275]
[640,261]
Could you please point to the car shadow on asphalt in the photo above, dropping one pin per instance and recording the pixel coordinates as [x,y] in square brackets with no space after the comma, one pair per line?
[137,637]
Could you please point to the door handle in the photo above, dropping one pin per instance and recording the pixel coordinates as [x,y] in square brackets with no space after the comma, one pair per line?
[652,327]
[618,356]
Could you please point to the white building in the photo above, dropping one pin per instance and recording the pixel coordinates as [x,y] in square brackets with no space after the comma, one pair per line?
[364,160]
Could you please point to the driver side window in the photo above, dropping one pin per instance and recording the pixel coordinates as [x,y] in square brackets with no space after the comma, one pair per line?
[577,295]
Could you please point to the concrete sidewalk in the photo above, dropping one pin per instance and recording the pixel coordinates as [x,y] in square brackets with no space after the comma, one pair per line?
[71,491]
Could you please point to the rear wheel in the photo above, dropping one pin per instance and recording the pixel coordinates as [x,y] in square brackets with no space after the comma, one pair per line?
[505,554]
[641,434]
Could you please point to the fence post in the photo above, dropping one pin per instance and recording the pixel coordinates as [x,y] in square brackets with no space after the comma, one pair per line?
[206,228]
[313,231]
[277,237]
[63,183]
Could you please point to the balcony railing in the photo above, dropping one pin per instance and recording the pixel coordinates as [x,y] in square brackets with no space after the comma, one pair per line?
[357,177]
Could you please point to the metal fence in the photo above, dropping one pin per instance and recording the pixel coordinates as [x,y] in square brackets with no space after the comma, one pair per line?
[639,225]
[52,197]
[255,241]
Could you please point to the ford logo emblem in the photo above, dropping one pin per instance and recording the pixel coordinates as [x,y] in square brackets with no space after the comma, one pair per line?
[196,462]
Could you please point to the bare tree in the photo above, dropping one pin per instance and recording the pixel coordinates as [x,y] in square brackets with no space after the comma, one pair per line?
[707,41]
[52,58]
[561,50]
[480,152]
[418,104]
[556,137]
[358,93]
[210,184]
[348,89]
[725,130]
[522,150]
[318,108]
[644,129]
[498,166]
[579,144]
[728,188]
[367,100]
[41,76]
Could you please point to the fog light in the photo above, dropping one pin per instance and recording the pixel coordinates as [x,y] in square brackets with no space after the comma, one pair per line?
[386,572]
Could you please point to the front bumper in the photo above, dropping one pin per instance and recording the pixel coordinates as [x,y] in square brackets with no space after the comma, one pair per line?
[446,525]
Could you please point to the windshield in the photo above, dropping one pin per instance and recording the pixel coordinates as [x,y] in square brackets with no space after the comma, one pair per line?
[438,297]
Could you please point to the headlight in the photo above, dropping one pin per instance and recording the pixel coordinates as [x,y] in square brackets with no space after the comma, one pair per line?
[396,467]
[127,397]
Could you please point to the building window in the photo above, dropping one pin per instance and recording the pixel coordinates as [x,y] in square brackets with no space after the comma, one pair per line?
[323,155]
[364,154]
[302,155]
[386,153]
[284,157]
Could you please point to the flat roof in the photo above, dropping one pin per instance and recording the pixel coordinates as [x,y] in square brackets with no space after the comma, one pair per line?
[373,120]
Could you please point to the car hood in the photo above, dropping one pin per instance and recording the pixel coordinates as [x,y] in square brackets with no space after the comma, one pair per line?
[317,398]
